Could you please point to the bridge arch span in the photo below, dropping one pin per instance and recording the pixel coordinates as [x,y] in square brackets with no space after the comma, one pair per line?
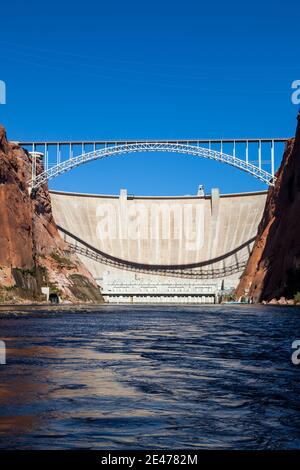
[169,147]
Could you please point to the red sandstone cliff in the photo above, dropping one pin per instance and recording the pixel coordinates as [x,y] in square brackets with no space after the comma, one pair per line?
[32,253]
[273,269]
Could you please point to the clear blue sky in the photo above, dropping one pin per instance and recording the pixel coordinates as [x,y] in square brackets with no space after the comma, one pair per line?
[159,69]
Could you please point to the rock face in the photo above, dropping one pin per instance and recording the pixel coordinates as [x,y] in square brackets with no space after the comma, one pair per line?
[32,254]
[273,269]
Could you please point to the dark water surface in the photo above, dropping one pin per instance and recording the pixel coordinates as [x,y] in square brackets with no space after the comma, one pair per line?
[150,377]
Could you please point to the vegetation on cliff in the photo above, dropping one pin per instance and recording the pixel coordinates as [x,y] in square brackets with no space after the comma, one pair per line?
[32,254]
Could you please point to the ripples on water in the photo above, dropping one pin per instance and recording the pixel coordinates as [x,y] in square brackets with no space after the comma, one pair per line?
[150,377]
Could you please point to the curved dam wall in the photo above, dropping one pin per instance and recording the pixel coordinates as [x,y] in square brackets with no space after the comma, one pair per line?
[208,236]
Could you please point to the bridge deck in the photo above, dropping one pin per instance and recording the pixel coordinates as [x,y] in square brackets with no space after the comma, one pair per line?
[170,141]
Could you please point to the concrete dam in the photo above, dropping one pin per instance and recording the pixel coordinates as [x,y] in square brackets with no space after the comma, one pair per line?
[185,249]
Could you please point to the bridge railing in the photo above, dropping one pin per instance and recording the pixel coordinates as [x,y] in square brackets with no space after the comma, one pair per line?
[262,153]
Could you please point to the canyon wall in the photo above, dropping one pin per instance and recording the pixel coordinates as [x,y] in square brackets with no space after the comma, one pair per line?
[32,254]
[273,269]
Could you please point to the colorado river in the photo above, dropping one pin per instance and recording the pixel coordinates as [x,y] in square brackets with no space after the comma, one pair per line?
[150,377]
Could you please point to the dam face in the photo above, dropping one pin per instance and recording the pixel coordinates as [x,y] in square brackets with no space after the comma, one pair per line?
[161,249]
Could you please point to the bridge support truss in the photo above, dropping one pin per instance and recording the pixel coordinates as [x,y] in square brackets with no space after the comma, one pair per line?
[257,157]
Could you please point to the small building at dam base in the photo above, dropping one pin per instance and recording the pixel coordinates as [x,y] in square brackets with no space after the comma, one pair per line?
[173,249]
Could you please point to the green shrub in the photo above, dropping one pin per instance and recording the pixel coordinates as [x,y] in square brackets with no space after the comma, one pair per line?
[61,260]
[297,298]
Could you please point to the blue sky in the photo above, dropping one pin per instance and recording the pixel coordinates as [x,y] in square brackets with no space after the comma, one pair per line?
[159,69]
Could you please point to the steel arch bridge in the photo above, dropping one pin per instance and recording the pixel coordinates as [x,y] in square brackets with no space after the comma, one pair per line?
[188,148]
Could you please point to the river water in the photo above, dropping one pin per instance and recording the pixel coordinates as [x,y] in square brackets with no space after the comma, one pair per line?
[150,377]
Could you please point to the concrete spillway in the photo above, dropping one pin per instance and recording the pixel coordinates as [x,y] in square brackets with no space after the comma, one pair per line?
[161,248]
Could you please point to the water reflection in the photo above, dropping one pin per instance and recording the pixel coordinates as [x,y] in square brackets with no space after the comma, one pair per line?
[150,377]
